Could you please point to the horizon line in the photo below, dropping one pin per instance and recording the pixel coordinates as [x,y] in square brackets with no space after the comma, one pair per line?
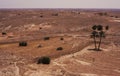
[60,8]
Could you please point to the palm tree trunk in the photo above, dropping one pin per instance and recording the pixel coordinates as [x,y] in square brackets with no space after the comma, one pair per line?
[95,43]
[99,43]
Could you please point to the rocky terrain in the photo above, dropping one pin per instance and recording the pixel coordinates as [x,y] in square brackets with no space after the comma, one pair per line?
[74,26]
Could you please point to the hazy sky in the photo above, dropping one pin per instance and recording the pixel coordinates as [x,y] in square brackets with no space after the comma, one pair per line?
[59,3]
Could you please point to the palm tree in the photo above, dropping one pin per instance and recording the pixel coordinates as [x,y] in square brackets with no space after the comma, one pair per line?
[94,33]
[102,34]
[98,32]
[94,37]
[94,27]
[99,27]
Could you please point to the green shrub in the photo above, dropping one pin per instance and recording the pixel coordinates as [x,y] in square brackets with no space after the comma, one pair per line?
[59,48]
[111,16]
[41,16]
[116,16]
[61,38]
[23,43]
[19,14]
[44,60]
[46,38]
[40,28]
[55,14]
[4,33]
[39,46]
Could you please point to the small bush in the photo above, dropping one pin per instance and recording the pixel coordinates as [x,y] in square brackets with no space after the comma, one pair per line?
[22,43]
[4,33]
[40,28]
[19,14]
[59,48]
[61,38]
[116,16]
[44,60]
[41,16]
[46,38]
[39,46]
[78,12]
[56,14]
[111,16]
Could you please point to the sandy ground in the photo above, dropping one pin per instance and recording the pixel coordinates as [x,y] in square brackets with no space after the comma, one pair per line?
[76,58]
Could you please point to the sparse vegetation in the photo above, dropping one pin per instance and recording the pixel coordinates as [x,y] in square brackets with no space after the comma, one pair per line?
[111,16]
[61,38]
[94,35]
[4,33]
[107,27]
[19,14]
[55,14]
[78,12]
[98,32]
[46,38]
[102,13]
[39,46]
[40,28]
[41,16]
[44,60]
[59,48]
[116,16]
[68,30]
[23,43]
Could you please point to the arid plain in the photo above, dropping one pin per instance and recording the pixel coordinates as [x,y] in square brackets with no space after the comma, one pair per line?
[74,26]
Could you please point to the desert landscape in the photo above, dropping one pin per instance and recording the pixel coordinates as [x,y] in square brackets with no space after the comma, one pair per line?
[46,30]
